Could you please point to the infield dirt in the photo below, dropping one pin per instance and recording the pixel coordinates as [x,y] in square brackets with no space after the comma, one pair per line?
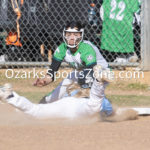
[21,132]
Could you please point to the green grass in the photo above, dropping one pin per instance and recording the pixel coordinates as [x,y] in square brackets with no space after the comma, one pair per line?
[119,100]
[129,86]
[33,96]
[129,100]
[137,86]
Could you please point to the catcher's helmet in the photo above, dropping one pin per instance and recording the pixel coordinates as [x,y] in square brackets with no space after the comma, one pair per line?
[73,27]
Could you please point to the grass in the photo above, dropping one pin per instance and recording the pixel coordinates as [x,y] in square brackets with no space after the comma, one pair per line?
[33,96]
[119,100]
[137,86]
[129,100]
[129,86]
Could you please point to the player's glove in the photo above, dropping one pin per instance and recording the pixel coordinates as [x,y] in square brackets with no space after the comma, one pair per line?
[85,79]
[43,82]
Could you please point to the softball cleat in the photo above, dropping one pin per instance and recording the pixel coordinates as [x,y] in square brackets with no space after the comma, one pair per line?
[5,91]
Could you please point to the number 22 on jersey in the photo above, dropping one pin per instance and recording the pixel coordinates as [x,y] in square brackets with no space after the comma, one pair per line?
[119,15]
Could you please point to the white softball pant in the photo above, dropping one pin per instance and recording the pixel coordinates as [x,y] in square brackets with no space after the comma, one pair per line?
[67,107]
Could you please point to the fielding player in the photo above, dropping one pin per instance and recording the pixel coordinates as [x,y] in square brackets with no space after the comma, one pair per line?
[80,54]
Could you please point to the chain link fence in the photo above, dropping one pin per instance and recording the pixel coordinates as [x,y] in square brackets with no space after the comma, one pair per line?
[30,31]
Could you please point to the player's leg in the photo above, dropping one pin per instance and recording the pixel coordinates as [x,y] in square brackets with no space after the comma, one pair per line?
[7,95]
[97,94]
[68,107]
[22,103]
[61,109]
[61,90]
[107,108]
[58,109]
[57,93]
[98,101]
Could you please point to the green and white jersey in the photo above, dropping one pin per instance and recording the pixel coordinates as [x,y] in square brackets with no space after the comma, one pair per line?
[117,34]
[86,55]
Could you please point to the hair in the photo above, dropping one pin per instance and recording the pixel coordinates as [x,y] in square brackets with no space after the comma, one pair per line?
[73,24]
[82,92]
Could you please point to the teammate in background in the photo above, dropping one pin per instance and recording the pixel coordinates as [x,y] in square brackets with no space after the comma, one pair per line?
[80,54]
[117,30]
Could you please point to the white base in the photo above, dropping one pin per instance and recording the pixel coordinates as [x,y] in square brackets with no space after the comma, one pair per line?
[139,110]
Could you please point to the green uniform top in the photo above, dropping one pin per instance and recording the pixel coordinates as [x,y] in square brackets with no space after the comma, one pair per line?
[117,34]
[86,55]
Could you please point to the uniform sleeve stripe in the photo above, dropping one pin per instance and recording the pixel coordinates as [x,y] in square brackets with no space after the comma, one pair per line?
[93,63]
[57,59]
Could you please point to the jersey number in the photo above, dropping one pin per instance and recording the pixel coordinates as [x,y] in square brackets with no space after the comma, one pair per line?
[114,5]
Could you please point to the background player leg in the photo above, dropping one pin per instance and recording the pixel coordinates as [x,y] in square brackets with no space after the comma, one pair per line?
[60,91]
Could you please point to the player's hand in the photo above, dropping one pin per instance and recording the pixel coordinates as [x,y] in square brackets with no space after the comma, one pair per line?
[43,82]
[103,74]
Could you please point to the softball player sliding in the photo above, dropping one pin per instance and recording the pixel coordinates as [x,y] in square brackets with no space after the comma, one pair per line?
[69,107]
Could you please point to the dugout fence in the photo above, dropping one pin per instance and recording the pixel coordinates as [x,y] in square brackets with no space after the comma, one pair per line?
[30,31]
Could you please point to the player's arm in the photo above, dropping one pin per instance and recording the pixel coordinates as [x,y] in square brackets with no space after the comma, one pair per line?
[58,57]
[56,62]
[89,57]
[53,68]
[49,77]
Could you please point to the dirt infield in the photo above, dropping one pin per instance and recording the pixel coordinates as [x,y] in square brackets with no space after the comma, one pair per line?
[19,132]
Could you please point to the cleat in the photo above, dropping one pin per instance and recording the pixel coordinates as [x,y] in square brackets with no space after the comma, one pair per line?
[43,100]
[5,91]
